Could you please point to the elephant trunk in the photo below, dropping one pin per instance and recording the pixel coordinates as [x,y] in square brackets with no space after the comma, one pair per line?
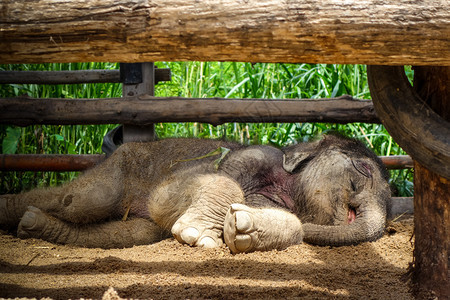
[369,225]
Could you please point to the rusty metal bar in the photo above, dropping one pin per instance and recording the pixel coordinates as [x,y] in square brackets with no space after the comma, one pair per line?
[397,162]
[66,162]
[49,162]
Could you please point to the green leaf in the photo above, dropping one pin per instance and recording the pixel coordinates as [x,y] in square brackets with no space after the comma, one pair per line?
[58,137]
[224,151]
[10,142]
[221,150]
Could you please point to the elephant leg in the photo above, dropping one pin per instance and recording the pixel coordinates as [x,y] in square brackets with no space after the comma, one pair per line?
[12,207]
[195,209]
[10,211]
[114,234]
[250,229]
[92,197]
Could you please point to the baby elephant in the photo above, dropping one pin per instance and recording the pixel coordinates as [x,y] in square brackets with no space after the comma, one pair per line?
[333,191]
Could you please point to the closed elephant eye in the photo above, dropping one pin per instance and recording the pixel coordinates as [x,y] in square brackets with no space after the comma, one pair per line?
[364,169]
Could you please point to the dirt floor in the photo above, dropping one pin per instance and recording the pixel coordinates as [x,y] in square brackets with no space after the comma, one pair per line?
[168,270]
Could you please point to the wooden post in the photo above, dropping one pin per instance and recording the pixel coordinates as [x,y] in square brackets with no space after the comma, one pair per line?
[137,84]
[432,199]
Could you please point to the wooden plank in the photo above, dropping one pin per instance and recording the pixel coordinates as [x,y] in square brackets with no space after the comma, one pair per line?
[71,77]
[143,110]
[140,133]
[389,32]
[400,206]
[60,162]
[431,272]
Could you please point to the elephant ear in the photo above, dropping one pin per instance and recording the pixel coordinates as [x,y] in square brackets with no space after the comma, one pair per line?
[297,156]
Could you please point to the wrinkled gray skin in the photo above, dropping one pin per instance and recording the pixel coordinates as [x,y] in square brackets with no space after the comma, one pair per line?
[329,192]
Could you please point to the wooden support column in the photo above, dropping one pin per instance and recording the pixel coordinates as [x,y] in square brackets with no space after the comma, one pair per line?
[431,274]
[138,79]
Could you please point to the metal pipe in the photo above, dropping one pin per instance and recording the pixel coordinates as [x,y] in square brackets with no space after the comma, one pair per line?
[49,162]
[69,162]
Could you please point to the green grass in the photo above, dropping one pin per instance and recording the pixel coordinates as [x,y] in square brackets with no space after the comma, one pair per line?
[199,80]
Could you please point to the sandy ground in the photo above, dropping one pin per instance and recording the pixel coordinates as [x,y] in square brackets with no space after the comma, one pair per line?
[168,270]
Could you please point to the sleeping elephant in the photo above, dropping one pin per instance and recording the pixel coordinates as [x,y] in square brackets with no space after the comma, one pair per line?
[332,191]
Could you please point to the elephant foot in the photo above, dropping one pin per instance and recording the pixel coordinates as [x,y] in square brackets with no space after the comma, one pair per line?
[37,224]
[248,229]
[202,223]
[195,229]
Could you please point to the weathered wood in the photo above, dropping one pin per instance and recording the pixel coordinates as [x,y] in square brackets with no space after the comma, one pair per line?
[71,162]
[419,130]
[432,199]
[143,110]
[400,206]
[432,234]
[140,133]
[71,77]
[394,32]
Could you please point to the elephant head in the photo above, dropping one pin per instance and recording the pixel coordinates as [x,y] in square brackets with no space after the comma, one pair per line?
[341,190]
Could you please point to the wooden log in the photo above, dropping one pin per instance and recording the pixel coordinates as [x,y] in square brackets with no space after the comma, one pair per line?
[431,273]
[71,77]
[432,235]
[394,32]
[143,110]
[71,162]
[413,124]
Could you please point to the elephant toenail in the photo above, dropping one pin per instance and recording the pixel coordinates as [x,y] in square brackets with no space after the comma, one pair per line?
[244,221]
[190,235]
[28,219]
[208,242]
[243,242]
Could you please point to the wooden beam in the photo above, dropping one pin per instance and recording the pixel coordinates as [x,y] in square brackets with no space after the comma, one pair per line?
[139,133]
[432,199]
[400,206]
[144,109]
[413,124]
[392,32]
[71,77]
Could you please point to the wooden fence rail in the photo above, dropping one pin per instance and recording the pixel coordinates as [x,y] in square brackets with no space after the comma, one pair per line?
[144,109]
[390,32]
[71,77]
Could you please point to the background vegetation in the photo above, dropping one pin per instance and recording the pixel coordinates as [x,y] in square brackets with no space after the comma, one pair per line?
[198,79]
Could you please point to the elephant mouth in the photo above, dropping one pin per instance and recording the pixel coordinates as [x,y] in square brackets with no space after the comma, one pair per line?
[351,215]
